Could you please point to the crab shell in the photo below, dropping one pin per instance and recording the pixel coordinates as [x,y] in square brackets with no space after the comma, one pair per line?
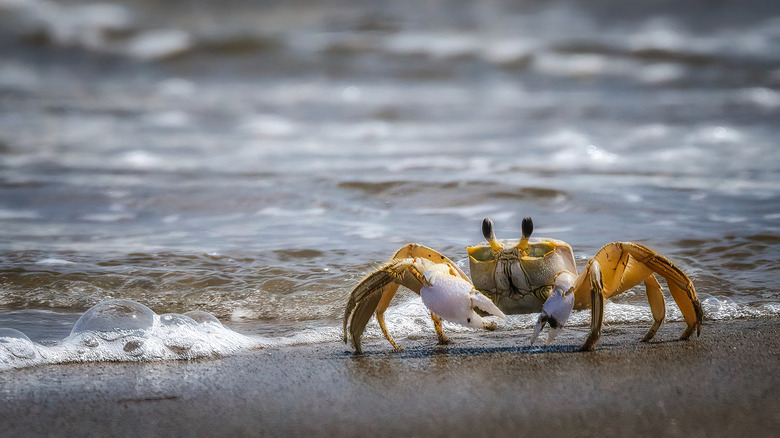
[519,281]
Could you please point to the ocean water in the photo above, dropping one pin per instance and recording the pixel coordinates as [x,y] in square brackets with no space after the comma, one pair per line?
[254,160]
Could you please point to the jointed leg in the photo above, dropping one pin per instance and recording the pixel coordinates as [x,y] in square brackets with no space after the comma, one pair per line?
[657,305]
[443,339]
[680,286]
[595,284]
[620,266]
[413,250]
[384,302]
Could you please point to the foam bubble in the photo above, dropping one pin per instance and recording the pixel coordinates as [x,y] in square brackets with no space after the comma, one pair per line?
[116,317]
[179,333]
[15,343]
[124,330]
[202,317]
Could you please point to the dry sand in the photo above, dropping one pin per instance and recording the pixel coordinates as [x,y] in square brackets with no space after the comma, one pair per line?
[724,383]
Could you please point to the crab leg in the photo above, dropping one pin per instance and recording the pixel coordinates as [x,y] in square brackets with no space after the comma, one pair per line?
[374,294]
[596,286]
[680,286]
[417,268]
[415,250]
[619,266]
[657,305]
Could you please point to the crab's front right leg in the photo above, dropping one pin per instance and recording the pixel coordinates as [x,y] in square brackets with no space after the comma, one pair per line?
[616,268]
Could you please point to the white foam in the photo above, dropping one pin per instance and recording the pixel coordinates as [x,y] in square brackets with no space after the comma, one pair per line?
[168,119]
[268,125]
[140,159]
[126,331]
[158,44]
[281,212]
[440,45]
[6,214]
[108,217]
[80,25]
[54,262]
[715,135]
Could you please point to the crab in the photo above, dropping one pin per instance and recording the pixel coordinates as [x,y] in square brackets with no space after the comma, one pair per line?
[525,275]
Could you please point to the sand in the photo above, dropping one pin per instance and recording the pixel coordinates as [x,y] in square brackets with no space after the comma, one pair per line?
[724,383]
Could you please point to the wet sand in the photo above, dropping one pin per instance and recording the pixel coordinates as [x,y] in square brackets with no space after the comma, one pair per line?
[724,383]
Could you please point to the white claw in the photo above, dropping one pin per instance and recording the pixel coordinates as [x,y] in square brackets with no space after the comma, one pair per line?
[552,335]
[537,328]
[454,299]
[557,309]
[484,303]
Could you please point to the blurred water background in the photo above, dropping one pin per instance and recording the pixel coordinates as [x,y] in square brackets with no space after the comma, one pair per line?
[255,159]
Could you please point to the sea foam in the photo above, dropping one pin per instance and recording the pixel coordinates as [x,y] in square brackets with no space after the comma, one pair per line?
[126,331]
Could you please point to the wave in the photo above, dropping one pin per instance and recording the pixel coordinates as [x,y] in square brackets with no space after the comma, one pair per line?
[123,330]
[486,189]
[656,50]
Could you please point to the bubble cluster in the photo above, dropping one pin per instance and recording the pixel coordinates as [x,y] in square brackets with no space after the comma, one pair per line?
[124,330]
[115,317]
[16,343]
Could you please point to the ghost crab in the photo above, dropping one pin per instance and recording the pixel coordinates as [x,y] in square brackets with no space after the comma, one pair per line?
[520,276]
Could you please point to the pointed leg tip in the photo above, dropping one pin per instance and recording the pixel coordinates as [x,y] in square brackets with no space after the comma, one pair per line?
[688,332]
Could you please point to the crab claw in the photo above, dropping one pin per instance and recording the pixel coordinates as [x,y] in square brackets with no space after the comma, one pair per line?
[557,308]
[455,299]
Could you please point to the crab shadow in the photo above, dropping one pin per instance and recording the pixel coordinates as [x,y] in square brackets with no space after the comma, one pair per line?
[423,351]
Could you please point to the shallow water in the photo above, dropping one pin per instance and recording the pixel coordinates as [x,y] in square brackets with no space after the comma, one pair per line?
[255,161]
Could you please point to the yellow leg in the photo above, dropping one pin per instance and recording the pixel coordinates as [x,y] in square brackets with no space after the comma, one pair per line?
[373,294]
[691,310]
[621,266]
[657,305]
[680,286]
[380,318]
[387,295]
[443,339]
[594,283]
[413,250]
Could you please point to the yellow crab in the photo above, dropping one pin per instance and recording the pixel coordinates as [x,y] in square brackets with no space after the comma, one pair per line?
[520,276]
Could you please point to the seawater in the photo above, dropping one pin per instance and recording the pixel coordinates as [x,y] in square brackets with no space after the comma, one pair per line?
[258,168]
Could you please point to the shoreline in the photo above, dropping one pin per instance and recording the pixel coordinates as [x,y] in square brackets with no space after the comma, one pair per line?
[723,383]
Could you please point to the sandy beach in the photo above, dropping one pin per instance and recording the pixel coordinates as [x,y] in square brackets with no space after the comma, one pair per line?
[724,383]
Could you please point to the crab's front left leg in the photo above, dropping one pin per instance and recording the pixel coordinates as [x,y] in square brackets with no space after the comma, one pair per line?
[373,295]
[444,289]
